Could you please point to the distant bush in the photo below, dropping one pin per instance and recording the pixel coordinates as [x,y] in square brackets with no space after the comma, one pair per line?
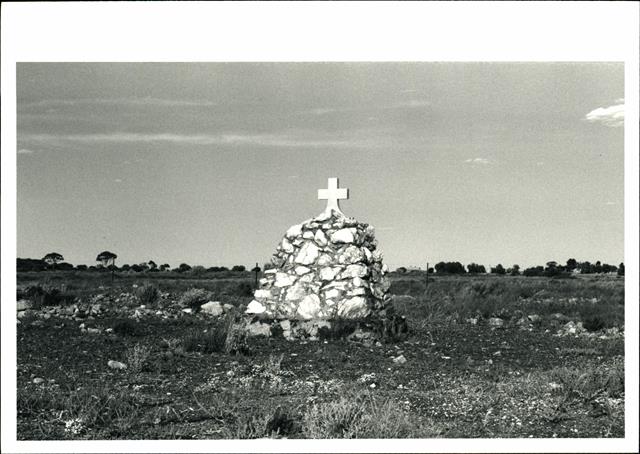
[147,294]
[239,268]
[498,269]
[81,267]
[449,268]
[533,271]
[217,269]
[198,270]
[40,296]
[182,268]
[621,269]
[401,270]
[194,298]
[30,265]
[474,268]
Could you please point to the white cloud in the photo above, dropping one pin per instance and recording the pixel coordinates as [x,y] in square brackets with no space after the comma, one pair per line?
[148,101]
[412,103]
[25,151]
[482,161]
[612,116]
[271,140]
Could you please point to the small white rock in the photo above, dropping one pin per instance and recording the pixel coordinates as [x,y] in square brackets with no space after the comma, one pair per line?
[116,365]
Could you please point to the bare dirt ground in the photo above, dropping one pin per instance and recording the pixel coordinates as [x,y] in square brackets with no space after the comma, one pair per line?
[456,375]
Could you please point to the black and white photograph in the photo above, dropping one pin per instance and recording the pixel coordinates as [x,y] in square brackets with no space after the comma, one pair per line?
[308,250]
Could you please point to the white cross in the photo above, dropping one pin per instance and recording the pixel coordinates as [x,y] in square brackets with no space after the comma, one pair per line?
[332,194]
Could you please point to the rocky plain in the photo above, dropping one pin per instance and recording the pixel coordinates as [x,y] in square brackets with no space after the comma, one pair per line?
[166,356]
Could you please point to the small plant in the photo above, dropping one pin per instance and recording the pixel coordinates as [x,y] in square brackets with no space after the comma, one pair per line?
[594,323]
[147,294]
[361,416]
[194,298]
[137,358]
[244,289]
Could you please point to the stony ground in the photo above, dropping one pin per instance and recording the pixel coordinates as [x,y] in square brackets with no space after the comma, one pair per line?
[470,377]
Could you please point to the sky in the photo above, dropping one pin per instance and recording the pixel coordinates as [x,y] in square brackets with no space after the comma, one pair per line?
[209,164]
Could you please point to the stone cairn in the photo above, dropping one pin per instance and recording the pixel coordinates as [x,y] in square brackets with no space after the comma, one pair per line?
[327,268]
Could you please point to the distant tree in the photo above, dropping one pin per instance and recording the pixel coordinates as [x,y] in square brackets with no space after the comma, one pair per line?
[106,258]
[534,271]
[255,269]
[152,265]
[474,268]
[64,266]
[144,266]
[164,267]
[606,268]
[572,264]
[198,270]
[597,268]
[430,270]
[585,268]
[183,268]
[125,267]
[239,268]
[401,270]
[514,270]
[136,268]
[81,267]
[552,269]
[449,268]
[52,258]
[621,269]
[498,269]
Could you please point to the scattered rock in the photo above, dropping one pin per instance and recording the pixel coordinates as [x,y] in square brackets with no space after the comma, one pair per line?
[259,329]
[38,380]
[255,307]
[495,321]
[213,308]
[400,359]
[116,365]
[23,305]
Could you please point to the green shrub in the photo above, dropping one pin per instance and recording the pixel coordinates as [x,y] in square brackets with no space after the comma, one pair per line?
[194,298]
[362,416]
[137,358]
[594,323]
[44,296]
[147,294]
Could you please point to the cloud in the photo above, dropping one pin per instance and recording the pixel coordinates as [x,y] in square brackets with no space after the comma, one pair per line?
[612,116]
[412,104]
[148,101]
[25,151]
[269,140]
[482,161]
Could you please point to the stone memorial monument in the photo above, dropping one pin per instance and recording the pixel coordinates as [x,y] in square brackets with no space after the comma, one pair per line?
[327,268]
